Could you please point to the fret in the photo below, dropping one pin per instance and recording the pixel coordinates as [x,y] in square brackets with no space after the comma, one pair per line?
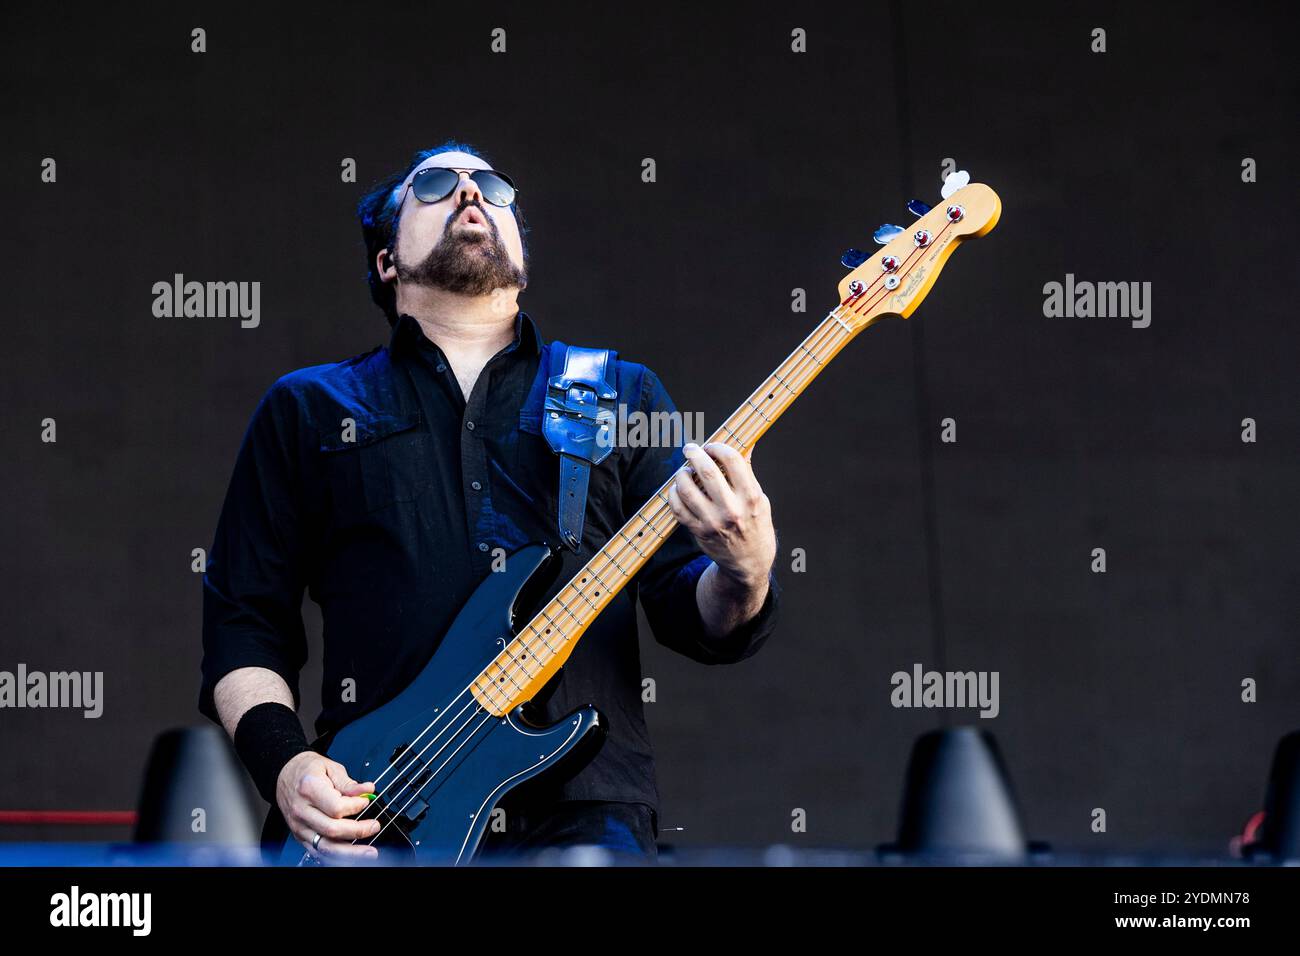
[590,603]
[810,354]
[556,600]
[656,532]
[506,676]
[533,627]
[550,621]
[540,660]
[523,664]
[525,651]
[592,572]
[491,694]
[499,675]
[630,543]
[617,565]
[644,532]
[733,435]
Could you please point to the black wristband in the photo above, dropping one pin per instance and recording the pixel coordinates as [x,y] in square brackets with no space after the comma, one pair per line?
[267,737]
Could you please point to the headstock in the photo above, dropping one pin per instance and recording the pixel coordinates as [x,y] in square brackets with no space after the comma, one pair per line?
[894,279]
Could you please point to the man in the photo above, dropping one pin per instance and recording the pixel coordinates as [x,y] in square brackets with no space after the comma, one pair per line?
[384,485]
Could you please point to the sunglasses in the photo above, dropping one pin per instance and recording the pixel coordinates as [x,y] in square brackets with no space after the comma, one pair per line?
[436,183]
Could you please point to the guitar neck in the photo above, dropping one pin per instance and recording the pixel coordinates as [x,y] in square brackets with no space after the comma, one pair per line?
[542,646]
[892,284]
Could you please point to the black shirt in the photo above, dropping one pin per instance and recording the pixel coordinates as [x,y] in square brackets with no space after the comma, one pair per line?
[389,524]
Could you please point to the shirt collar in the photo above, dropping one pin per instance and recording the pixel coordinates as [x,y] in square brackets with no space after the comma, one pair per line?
[407,334]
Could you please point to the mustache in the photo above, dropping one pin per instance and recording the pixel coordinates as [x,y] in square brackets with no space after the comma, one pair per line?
[451,220]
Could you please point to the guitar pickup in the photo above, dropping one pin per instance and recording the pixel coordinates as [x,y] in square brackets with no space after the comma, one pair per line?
[415,807]
[406,802]
[406,806]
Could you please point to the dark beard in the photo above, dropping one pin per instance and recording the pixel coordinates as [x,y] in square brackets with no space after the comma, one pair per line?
[464,263]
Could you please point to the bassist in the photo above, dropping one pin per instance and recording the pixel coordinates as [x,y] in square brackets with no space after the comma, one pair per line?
[387,486]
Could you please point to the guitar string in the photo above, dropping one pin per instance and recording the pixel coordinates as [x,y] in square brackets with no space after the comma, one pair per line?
[856,303]
[651,520]
[540,635]
[421,781]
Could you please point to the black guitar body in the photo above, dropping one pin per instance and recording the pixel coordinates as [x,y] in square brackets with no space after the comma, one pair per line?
[441,762]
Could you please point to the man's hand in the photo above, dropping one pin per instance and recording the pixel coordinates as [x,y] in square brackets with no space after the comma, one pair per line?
[720,502]
[315,794]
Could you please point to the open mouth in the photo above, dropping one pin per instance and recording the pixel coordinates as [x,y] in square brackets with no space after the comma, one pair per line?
[472,216]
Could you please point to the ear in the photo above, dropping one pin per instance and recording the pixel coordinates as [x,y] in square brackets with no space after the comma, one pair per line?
[384,264]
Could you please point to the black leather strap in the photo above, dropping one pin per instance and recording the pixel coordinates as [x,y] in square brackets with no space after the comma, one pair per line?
[578,423]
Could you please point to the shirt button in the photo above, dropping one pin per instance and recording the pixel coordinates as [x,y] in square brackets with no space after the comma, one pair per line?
[476,486]
[469,425]
[441,367]
[482,546]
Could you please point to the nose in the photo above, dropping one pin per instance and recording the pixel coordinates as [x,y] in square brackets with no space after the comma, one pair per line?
[467,191]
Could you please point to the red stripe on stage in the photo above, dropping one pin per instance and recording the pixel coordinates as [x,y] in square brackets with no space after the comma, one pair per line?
[78,817]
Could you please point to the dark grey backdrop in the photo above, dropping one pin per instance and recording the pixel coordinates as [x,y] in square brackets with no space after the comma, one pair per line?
[1119,691]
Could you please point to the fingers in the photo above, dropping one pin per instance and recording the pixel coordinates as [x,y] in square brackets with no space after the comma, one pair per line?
[712,480]
[319,808]
[691,495]
[738,471]
[344,783]
[311,819]
[731,496]
[683,512]
[336,837]
[317,800]
[720,467]
[334,851]
[709,496]
[318,791]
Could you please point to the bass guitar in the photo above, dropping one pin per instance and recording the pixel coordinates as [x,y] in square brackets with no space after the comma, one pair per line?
[444,751]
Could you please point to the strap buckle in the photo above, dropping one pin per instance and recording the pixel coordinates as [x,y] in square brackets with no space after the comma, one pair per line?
[578,423]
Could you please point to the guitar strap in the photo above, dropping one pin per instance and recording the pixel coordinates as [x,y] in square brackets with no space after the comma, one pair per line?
[578,423]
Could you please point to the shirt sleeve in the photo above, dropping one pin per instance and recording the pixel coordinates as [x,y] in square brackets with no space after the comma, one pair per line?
[667,582]
[254,582]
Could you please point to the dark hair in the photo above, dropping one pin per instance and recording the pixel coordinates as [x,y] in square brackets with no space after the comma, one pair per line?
[379,217]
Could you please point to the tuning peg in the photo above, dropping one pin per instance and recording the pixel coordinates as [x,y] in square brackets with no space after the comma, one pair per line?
[885,234]
[918,208]
[954,181]
[853,258]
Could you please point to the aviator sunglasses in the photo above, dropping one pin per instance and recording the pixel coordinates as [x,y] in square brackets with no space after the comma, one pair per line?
[435,183]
